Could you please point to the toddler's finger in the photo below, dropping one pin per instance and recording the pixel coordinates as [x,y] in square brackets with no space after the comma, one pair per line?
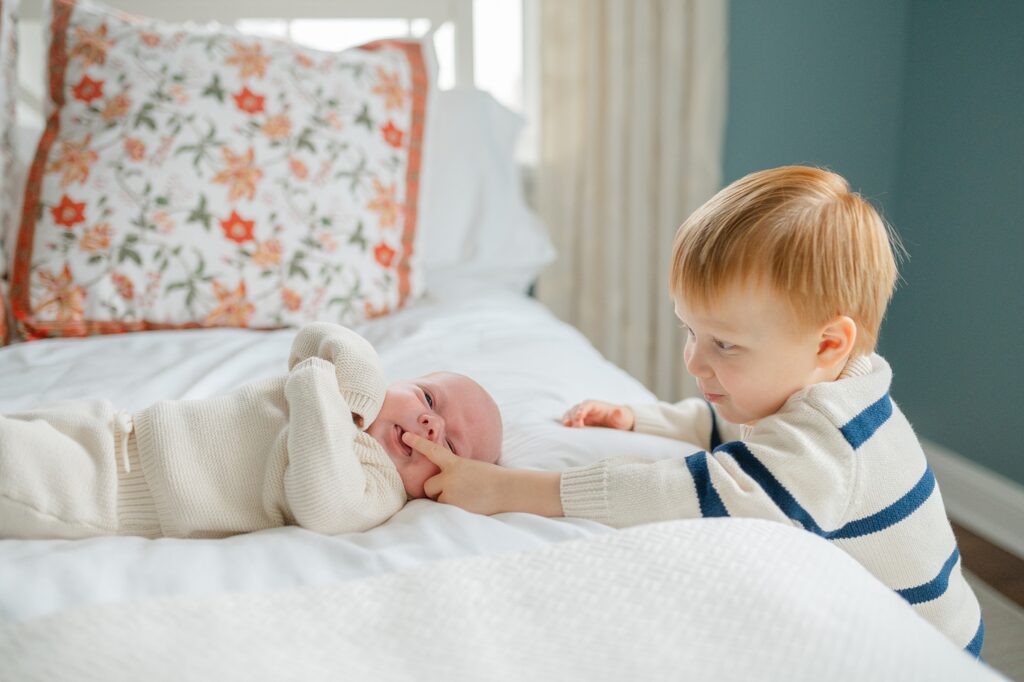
[432,487]
[437,454]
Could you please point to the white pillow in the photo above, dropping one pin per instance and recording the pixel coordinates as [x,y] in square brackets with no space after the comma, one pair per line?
[25,139]
[8,160]
[476,225]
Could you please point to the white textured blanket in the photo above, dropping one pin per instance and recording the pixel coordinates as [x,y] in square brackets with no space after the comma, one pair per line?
[698,600]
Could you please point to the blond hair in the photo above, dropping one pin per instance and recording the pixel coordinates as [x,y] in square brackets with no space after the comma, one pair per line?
[821,246]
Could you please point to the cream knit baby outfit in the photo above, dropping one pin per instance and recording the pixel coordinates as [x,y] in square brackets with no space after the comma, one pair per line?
[280,451]
[838,459]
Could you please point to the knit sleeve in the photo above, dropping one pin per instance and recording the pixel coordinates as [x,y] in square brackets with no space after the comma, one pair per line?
[357,366]
[335,481]
[790,470]
[689,420]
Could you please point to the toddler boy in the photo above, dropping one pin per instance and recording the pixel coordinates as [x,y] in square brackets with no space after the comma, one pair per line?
[782,280]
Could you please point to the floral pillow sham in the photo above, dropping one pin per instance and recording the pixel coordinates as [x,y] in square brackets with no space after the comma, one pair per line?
[192,176]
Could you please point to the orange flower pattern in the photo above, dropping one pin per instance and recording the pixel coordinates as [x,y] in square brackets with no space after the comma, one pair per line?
[249,59]
[392,135]
[221,180]
[278,127]
[74,161]
[233,309]
[239,173]
[389,86]
[124,286]
[60,295]
[384,203]
[267,253]
[90,46]
[299,169]
[87,90]
[248,101]
[291,299]
[116,107]
[96,238]
[384,255]
[237,229]
[136,148]
[68,213]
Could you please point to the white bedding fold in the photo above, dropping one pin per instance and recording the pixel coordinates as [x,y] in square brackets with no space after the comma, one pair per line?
[722,600]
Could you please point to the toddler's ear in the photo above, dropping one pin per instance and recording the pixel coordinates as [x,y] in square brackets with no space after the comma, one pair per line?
[836,341]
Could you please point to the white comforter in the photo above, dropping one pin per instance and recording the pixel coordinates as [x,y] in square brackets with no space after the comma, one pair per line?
[53,594]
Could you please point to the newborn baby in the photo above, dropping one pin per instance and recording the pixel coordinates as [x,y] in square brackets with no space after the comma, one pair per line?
[289,450]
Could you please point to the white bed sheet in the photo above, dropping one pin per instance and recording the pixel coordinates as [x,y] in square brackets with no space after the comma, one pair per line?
[81,606]
[534,365]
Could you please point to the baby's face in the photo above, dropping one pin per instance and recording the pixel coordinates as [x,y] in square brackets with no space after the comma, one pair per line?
[748,352]
[446,408]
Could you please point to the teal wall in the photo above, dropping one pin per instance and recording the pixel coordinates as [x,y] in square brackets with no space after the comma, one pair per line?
[955,333]
[920,104]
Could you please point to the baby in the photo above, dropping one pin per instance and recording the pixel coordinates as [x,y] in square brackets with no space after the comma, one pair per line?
[320,447]
[781,281]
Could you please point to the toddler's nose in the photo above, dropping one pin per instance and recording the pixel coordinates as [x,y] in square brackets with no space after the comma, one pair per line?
[697,366]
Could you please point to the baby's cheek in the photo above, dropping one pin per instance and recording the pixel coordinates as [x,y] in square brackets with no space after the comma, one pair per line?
[415,473]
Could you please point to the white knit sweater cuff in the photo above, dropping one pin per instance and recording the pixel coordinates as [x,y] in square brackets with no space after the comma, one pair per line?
[647,418]
[364,405]
[584,493]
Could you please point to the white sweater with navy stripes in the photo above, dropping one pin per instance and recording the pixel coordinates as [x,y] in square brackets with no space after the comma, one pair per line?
[838,459]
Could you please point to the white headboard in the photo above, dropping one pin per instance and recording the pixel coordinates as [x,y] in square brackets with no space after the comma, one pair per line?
[458,14]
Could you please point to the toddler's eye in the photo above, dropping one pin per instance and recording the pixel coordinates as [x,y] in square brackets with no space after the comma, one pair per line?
[689,331]
[450,446]
[723,345]
[429,398]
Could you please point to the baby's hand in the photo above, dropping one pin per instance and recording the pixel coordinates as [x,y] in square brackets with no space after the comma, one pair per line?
[597,413]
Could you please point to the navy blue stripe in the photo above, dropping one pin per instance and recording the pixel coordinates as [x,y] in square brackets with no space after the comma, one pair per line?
[707,496]
[974,646]
[934,588]
[784,500]
[891,515]
[764,478]
[864,425]
[716,439]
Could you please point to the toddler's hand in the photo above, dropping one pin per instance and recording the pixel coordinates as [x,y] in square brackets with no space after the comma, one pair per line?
[597,413]
[471,484]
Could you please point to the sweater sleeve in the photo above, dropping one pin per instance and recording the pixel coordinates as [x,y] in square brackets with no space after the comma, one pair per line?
[790,470]
[356,364]
[689,420]
[335,481]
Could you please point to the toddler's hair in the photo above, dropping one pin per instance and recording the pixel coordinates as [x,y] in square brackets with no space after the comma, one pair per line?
[820,245]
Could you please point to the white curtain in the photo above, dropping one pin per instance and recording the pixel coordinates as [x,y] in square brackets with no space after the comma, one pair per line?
[632,101]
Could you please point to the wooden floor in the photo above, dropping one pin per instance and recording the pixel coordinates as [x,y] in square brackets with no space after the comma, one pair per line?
[997,577]
[1001,570]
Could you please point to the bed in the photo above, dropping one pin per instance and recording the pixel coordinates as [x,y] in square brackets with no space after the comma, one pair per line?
[436,592]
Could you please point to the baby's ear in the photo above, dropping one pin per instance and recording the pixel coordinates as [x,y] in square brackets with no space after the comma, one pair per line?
[358,420]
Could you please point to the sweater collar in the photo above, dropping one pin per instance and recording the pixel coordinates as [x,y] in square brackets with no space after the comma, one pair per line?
[856,367]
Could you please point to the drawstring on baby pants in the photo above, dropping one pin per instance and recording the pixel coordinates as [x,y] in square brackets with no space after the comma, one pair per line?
[123,421]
